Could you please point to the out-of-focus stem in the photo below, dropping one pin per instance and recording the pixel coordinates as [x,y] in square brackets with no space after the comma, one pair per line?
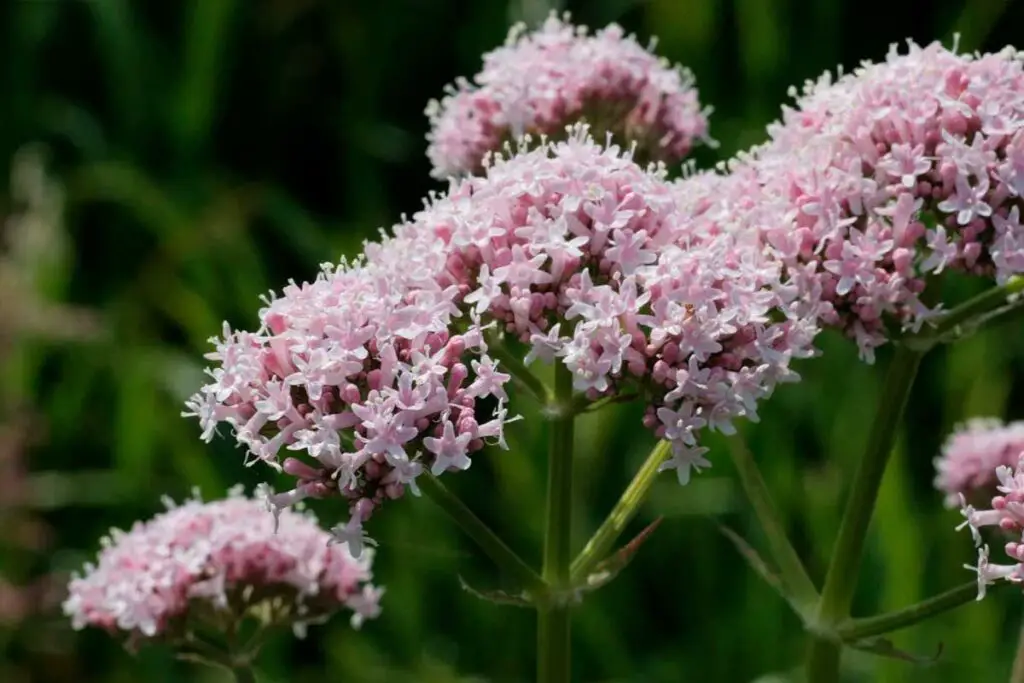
[244,673]
[1017,674]
[488,541]
[796,582]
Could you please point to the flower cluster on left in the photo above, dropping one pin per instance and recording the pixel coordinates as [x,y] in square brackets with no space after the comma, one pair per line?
[203,567]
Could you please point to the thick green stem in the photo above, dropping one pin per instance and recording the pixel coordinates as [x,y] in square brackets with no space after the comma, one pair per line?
[858,629]
[844,566]
[483,536]
[1017,674]
[795,580]
[553,619]
[601,543]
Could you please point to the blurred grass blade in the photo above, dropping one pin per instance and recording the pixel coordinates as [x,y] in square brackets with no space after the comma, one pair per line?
[975,23]
[206,45]
[120,38]
[132,189]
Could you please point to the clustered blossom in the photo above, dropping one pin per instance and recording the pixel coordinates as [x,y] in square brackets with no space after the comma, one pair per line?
[361,372]
[229,556]
[577,252]
[539,82]
[970,456]
[1007,513]
[894,174]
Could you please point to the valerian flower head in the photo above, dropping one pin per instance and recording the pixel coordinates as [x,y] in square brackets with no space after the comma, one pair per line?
[971,454]
[580,256]
[893,174]
[538,82]
[360,374]
[217,563]
[1007,513]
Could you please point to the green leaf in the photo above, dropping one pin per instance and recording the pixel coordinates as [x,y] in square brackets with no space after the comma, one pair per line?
[883,647]
[497,597]
[756,562]
[606,570]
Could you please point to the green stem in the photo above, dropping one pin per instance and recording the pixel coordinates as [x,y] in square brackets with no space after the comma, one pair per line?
[482,535]
[795,580]
[601,543]
[244,673]
[841,577]
[554,626]
[520,373]
[990,300]
[1017,674]
[858,629]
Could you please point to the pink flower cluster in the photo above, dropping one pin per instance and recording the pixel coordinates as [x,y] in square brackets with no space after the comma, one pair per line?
[228,555]
[1007,513]
[540,82]
[362,372]
[970,456]
[893,174]
[380,368]
[588,259]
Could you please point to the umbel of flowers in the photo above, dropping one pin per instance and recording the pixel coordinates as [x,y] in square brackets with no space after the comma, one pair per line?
[540,81]
[892,174]
[202,564]
[363,373]
[967,465]
[589,260]
[569,249]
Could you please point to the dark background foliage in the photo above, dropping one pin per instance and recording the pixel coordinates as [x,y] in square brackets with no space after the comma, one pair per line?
[209,150]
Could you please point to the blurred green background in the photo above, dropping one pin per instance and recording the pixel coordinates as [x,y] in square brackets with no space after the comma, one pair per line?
[171,161]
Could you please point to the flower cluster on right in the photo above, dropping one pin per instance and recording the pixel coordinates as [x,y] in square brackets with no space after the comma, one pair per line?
[891,174]
[983,462]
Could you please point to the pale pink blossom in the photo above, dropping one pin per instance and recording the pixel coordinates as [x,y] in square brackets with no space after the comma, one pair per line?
[918,158]
[540,81]
[592,261]
[969,458]
[161,578]
[355,371]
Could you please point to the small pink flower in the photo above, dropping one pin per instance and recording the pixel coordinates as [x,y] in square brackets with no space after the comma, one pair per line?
[229,555]
[542,81]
